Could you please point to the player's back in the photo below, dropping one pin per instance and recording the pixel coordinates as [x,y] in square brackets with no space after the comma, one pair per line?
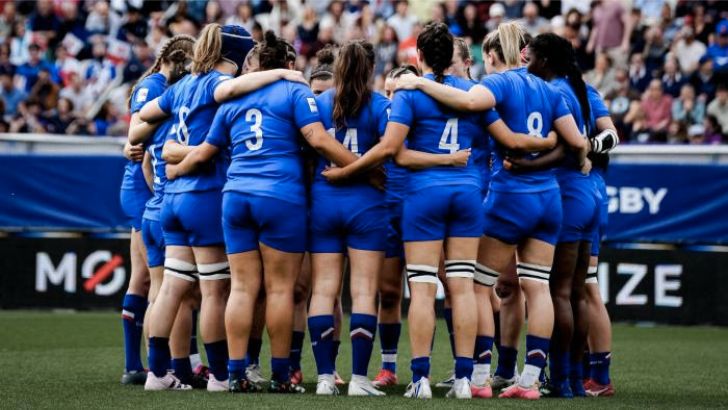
[570,165]
[262,130]
[359,134]
[192,106]
[437,129]
[527,105]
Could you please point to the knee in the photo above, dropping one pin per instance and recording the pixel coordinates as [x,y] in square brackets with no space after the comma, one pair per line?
[390,299]
[507,291]
[300,293]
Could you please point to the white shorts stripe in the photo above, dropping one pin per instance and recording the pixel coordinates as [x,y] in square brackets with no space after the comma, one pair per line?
[485,276]
[459,268]
[538,273]
[422,273]
[214,271]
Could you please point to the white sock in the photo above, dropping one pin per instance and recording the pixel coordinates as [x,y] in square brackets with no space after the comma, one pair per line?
[481,373]
[529,376]
[195,360]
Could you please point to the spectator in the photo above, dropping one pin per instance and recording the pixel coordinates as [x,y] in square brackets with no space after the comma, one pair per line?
[402,21]
[611,30]
[20,44]
[28,118]
[44,23]
[407,50]
[703,80]
[496,14]
[7,20]
[687,108]
[57,122]
[688,50]
[28,72]
[12,96]
[703,27]
[655,49]
[156,38]
[308,30]
[337,19]
[532,22]
[712,132]
[718,108]
[64,65]
[103,20]
[602,76]
[669,24]
[71,22]
[45,90]
[243,16]
[718,51]
[99,71]
[657,108]
[80,96]
[472,27]
[135,28]
[672,79]
[214,13]
[386,51]
[623,103]
[639,77]
[5,64]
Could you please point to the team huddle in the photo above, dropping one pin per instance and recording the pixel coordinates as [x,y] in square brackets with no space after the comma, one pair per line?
[252,191]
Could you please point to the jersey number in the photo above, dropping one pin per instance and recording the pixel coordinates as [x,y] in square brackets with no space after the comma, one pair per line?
[534,123]
[351,141]
[449,138]
[155,161]
[256,117]
[183,135]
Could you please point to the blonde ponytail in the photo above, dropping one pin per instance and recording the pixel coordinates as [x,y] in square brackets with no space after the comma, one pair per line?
[208,49]
[506,43]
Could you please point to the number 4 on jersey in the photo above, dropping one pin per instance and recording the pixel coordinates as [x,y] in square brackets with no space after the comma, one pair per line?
[449,138]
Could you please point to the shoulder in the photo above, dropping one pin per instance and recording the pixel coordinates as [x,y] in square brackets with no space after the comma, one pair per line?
[378,100]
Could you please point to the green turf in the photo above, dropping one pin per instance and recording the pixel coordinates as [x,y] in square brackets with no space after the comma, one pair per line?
[74,360]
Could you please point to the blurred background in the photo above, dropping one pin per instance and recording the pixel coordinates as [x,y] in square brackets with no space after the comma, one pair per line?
[67,67]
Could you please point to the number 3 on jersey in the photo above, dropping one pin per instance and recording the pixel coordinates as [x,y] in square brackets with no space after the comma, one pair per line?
[449,138]
[256,117]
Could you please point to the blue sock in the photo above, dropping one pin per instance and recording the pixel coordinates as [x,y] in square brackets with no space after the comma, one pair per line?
[448,321]
[321,329]
[279,368]
[483,349]
[193,335]
[132,314]
[600,366]
[182,369]
[559,364]
[362,329]
[389,339]
[506,362]
[159,356]
[536,348]
[217,357]
[335,352]
[296,350]
[254,345]
[420,368]
[463,367]
[576,372]
[236,369]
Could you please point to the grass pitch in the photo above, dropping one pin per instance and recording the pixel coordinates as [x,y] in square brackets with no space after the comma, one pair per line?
[74,360]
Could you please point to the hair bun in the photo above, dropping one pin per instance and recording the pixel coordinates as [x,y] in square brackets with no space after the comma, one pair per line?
[270,38]
[326,55]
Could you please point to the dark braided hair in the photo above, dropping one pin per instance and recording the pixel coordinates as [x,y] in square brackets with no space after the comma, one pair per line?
[274,52]
[436,44]
[324,70]
[353,72]
[176,51]
[402,70]
[558,56]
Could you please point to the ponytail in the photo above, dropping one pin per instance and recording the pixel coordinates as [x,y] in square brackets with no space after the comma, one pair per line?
[436,44]
[208,49]
[506,43]
[559,57]
[175,51]
[352,73]
[274,52]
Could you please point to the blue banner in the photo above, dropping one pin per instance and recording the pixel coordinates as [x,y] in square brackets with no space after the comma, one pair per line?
[61,192]
[668,203]
[647,202]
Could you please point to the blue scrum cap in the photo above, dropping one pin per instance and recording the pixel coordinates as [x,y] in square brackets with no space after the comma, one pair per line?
[236,44]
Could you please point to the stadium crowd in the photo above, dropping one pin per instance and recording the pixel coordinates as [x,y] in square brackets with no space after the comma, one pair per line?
[67,66]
